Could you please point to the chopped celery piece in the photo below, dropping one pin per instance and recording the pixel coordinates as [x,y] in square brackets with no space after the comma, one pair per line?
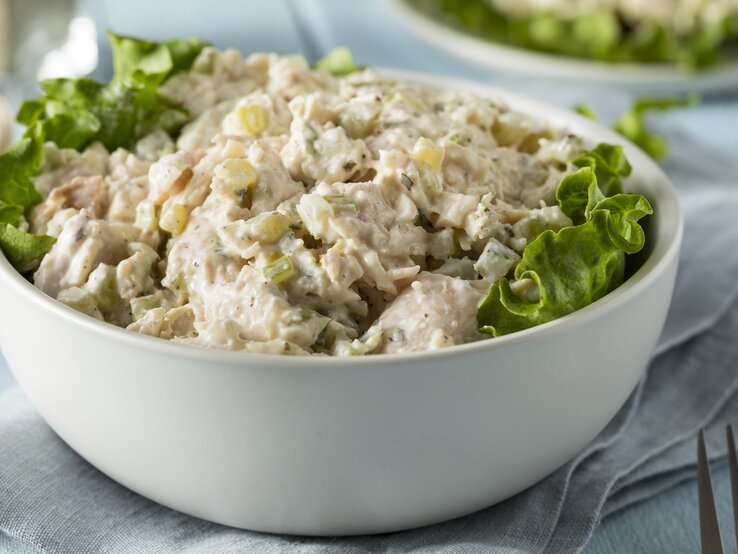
[338,62]
[279,270]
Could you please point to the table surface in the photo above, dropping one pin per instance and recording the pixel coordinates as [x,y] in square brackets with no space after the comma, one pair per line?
[665,523]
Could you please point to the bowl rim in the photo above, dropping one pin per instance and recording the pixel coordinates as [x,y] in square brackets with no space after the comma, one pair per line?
[500,56]
[665,248]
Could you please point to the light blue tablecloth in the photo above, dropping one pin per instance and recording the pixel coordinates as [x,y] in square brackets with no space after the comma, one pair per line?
[667,522]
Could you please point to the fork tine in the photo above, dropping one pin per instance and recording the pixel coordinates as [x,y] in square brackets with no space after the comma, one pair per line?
[733,462]
[709,528]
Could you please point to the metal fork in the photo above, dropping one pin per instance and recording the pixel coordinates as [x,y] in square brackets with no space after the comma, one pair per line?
[709,529]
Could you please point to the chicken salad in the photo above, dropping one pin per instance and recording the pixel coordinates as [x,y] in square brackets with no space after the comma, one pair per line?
[260,204]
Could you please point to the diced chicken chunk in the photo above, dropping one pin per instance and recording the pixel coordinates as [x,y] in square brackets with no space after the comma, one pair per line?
[79,193]
[434,311]
[83,244]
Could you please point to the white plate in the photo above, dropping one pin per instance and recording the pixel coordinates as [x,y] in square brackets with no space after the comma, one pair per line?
[500,57]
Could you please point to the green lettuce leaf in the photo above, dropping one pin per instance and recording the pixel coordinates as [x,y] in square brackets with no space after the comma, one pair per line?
[23,248]
[594,34]
[338,62]
[75,112]
[17,192]
[587,110]
[609,164]
[632,124]
[17,195]
[10,213]
[142,62]
[700,48]
[578,193]
[63,114]
[575,266]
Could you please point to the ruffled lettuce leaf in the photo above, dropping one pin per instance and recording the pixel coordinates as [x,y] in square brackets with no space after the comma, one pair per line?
[573,267]
[594,34]
[144,62]
[75,112]
[609,164]
[23,248]
[17,165]
[578,193]
[17,195]
[632,124]
[63,114]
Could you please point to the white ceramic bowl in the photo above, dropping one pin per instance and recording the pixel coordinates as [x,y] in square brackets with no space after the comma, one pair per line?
[652,78]
[339,446]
